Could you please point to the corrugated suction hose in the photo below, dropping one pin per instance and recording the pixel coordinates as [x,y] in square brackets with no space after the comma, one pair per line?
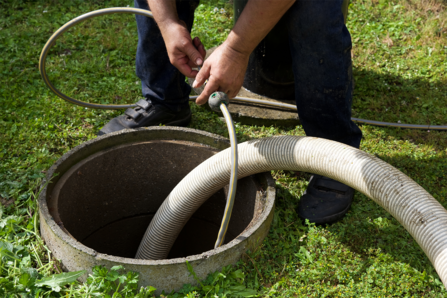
[421,215]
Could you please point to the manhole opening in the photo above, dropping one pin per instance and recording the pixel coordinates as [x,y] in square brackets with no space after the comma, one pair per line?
[107,200]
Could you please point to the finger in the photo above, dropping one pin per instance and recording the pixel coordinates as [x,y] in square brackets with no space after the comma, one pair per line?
[199,46]
[193,54]
[222,90]
[232,94]
[196,41]
[226,91]
[233,90]
[202,76]
[192,64]
[202,51]
[187,70]
[211,86]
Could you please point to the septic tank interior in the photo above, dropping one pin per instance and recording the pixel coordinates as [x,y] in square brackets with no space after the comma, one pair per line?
[107,200]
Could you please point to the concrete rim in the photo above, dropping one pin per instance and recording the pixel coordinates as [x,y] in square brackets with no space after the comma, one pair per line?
[124,136]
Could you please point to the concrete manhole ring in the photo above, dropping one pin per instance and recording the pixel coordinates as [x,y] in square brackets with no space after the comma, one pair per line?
[103,194]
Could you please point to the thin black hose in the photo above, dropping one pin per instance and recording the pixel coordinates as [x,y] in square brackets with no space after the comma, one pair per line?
[358,120]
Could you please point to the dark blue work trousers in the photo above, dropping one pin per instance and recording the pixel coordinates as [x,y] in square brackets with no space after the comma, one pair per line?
[320,45]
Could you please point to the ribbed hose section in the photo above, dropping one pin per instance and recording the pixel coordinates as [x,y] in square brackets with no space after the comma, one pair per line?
[421,215]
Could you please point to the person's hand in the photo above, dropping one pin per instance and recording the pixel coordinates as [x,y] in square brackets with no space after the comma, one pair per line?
[184,53]
[224,70]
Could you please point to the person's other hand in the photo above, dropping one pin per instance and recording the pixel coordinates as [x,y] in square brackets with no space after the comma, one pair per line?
[184,53]
[225,70]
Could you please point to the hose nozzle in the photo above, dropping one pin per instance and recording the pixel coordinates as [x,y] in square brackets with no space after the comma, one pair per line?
[216,99]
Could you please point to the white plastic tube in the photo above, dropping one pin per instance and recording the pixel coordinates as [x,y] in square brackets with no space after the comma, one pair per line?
[421,215]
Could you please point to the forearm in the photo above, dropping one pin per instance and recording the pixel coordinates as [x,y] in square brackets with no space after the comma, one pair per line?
[164,12]
[184,53]
[255,22]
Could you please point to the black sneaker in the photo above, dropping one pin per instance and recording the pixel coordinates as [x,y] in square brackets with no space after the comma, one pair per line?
[147,114]
[325,200]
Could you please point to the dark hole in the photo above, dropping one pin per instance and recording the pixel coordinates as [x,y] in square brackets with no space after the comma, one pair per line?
[108,200]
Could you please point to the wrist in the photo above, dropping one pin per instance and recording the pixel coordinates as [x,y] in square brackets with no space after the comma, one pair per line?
[167,24]
[236,44]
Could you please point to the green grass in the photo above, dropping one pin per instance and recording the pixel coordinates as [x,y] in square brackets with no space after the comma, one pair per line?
[399,56]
